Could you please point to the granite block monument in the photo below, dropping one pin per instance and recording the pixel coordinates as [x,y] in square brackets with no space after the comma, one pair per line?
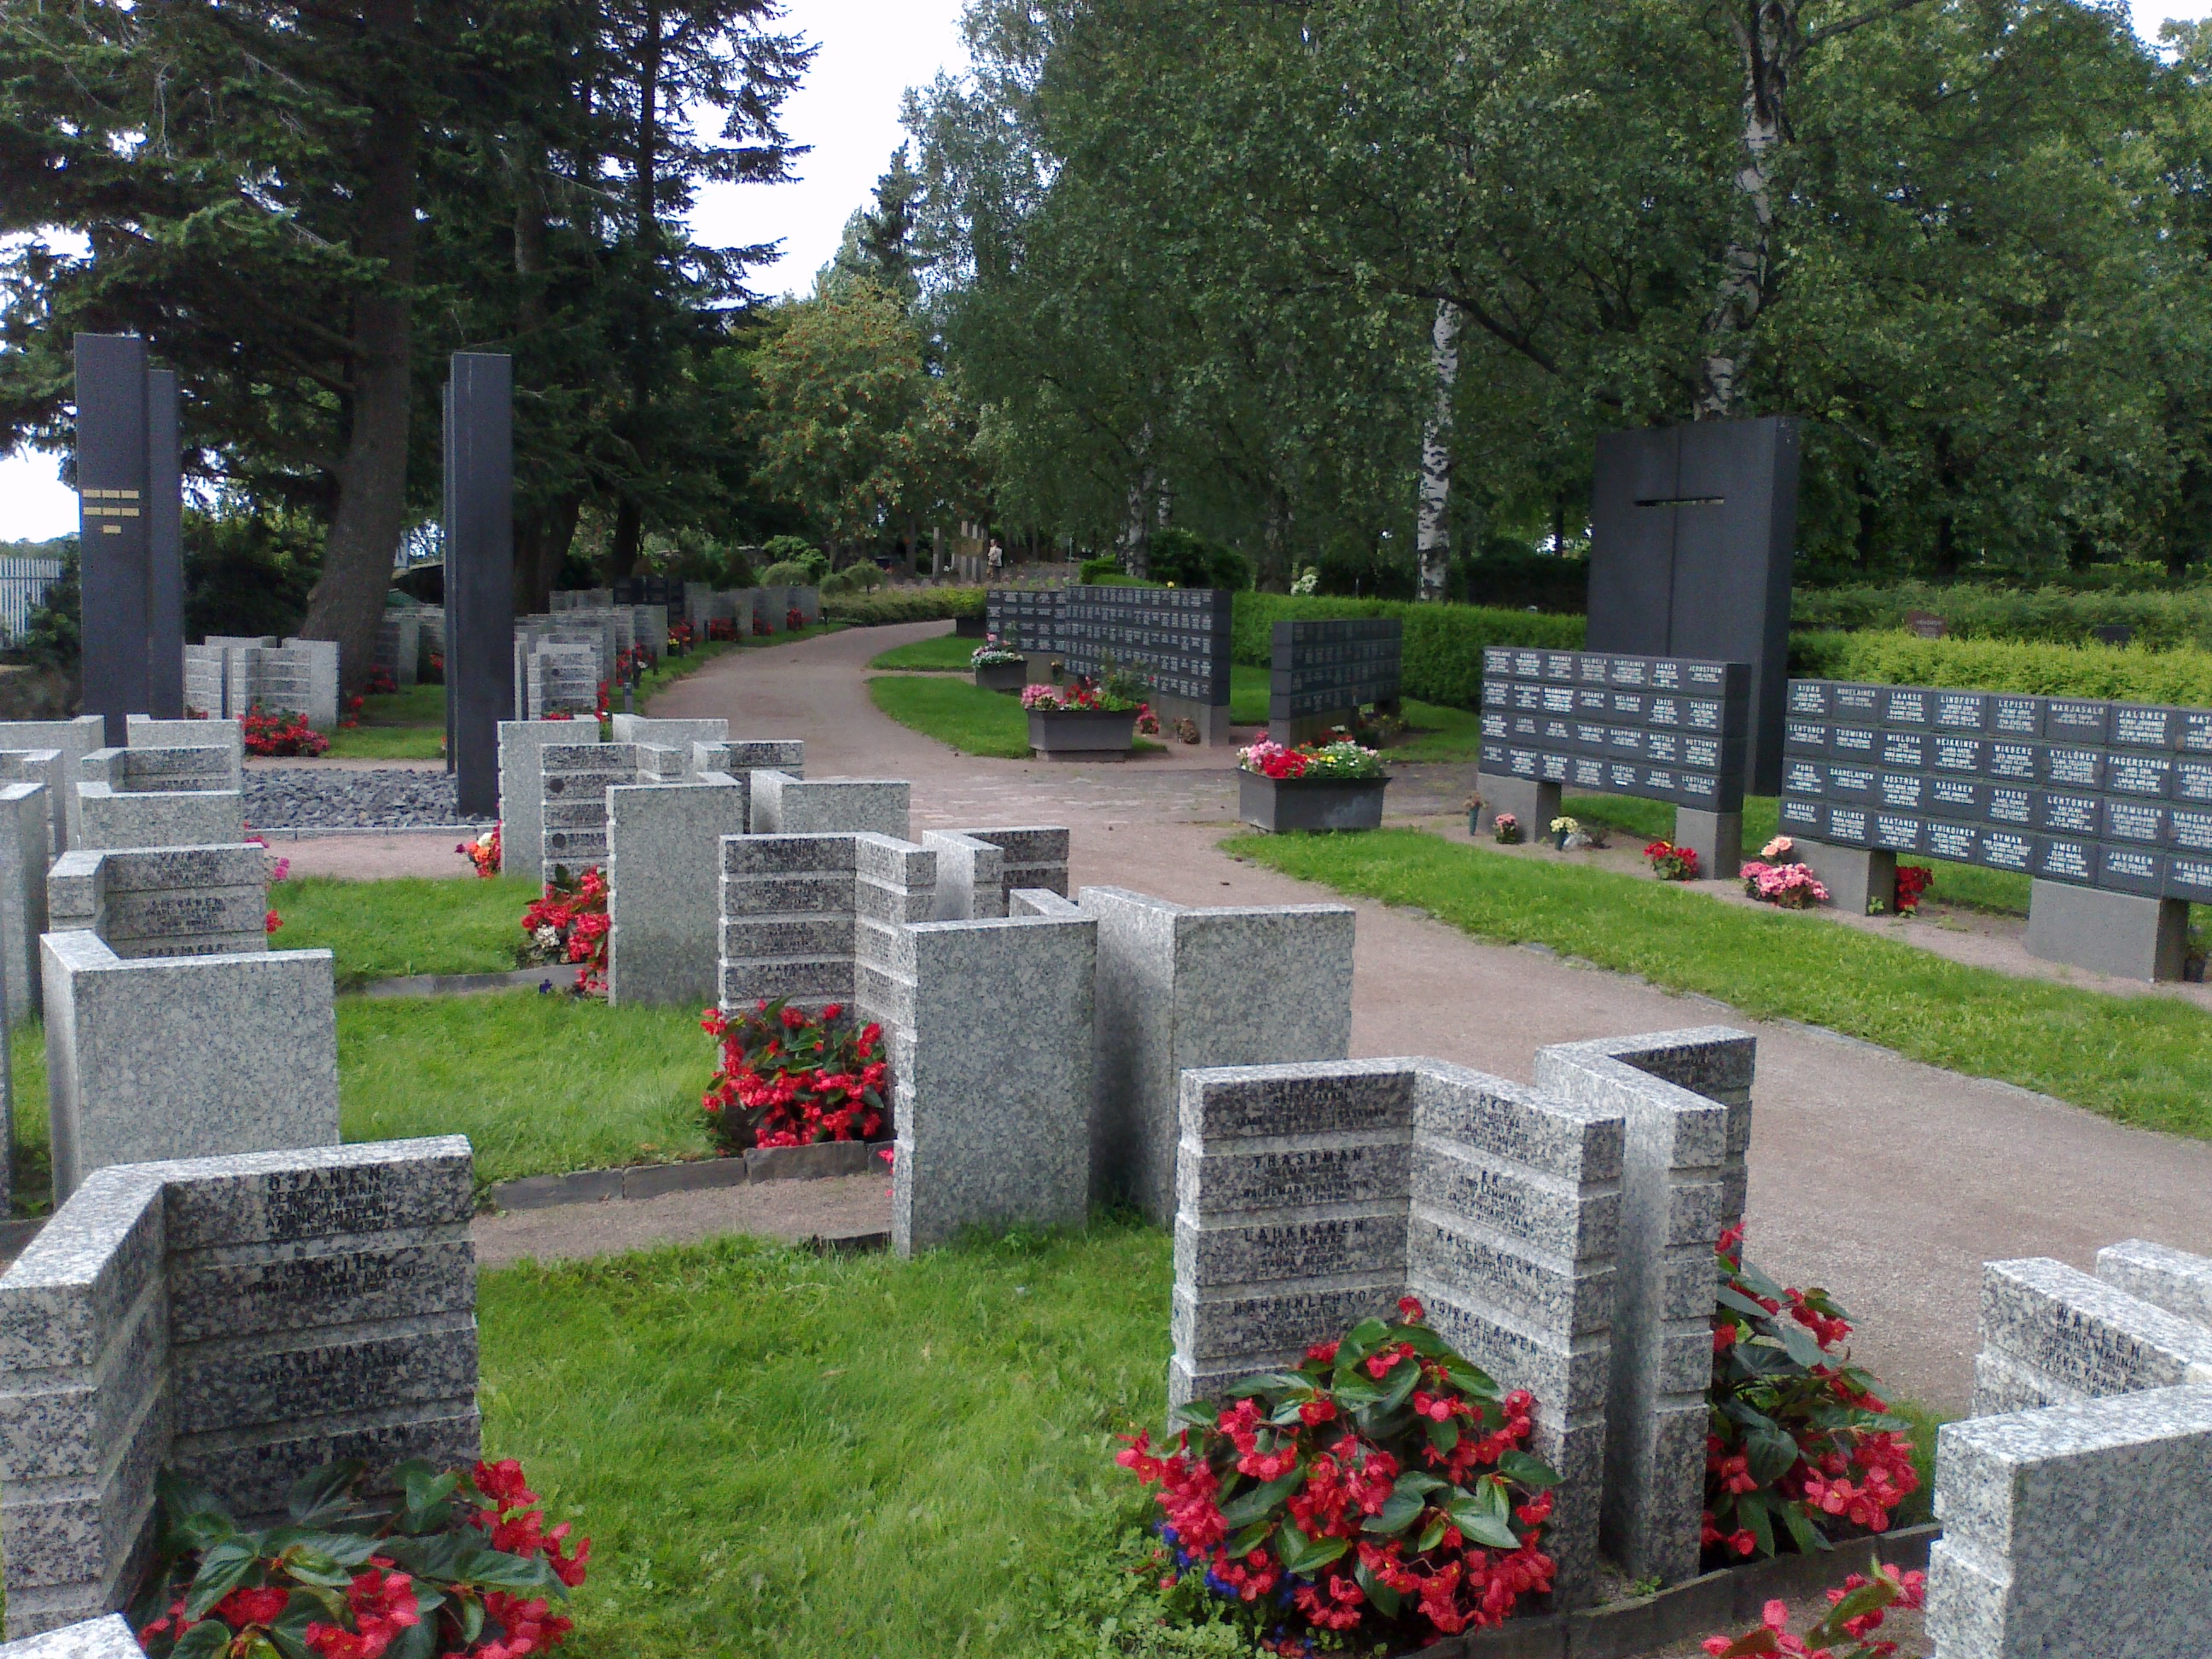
[785,805]
[664,870]
[522,788]
[163,900]
[240,1320]
[160,1057]
[1180,987]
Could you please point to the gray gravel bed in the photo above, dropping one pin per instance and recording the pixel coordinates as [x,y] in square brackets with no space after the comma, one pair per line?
[333,797]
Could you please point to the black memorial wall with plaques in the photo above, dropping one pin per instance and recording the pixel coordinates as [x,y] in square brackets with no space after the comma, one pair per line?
[1175,639]
[2112,795]
[1691,533]
[1322,671]
[479,533]
[1665,728]
[130,524]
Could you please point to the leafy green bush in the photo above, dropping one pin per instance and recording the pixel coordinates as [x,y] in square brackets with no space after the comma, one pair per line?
[901,605]
[853,578]
[796,550]
[2132,674]
[789,574]
[1443,647]
[2051,615]
[1095,570]
[1523,581]
[1183,560]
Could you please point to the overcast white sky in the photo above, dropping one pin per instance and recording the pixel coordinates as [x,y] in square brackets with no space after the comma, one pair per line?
[871,52]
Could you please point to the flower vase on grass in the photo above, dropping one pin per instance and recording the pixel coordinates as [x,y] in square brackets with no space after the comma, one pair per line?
[1672,863]
[1506,829]
[1791,886]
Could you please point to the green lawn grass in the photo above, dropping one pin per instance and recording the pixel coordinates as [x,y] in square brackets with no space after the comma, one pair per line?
[410,925]
[406,725]
[878,1458]
[854,1457]
[2145,1060]
[946,652]
[958,712]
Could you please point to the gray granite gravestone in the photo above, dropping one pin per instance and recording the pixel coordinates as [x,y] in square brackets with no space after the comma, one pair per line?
[2076,1532]
[25,823]
[1693,530]
[785,805]
[1311,1196]
[742,758]
[106,816]
[991,1070]
[2052,1334]
[522,788]
[162,902]
[664,873]
[1181,987]
[1685,1099]
[184,1057]
[671,733]
[94,1639]
[479,534]
[242,1321]
[2172,1280]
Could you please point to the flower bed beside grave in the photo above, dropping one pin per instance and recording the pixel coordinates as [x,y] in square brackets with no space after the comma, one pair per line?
[1913,881]
[1506,830]
[1377,1494]
[1330,786]
[1791,886]
[790,1078]
[284,733]
[1082,720]
[998,666]
[464,1567]
[1856,1611]
[569,923]
[1800,1450]
[1672,863]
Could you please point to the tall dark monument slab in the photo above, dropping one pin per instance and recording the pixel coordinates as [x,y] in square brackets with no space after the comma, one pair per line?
[479,572]
[165,550]
[1692,533]
[130,523]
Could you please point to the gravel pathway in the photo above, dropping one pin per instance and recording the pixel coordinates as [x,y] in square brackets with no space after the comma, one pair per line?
[350,797]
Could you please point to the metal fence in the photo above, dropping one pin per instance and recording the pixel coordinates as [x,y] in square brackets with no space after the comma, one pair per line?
[23,584]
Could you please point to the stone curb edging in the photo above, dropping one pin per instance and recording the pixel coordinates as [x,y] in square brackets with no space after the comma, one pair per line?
[824,1161]
[1723,1600]
[321,831]
[561,973]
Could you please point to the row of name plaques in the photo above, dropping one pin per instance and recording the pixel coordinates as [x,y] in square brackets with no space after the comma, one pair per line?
[2103,795]
[1666,728]
[1174,639]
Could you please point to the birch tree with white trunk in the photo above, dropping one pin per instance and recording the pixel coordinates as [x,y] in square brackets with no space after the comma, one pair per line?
[1432,528]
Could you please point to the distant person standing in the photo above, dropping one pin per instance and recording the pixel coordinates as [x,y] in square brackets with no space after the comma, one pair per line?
[997,557]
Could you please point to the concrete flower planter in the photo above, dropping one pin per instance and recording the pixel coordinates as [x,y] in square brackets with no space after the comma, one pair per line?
[1082,734]
[1002,675]
[1278,805]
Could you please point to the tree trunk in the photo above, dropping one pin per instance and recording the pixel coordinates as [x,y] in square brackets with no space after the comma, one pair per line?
[1432,530]
[1137,528]
[1768,43]
[542,538]
[623,546]
[347,605]
[646,206]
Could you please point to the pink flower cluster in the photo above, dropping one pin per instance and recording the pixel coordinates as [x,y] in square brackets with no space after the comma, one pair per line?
[1792,886]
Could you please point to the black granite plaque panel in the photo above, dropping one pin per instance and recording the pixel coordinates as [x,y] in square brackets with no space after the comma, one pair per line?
[1662,728]
[1321,668]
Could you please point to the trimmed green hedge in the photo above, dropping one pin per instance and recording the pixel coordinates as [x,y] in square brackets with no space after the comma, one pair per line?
[2132,675]
[1443,642]
[901,605]
[2162,621]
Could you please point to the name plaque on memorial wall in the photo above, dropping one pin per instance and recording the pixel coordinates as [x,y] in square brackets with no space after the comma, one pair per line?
[1326,667]
[1675,729]
[2114,795]
[1175,639]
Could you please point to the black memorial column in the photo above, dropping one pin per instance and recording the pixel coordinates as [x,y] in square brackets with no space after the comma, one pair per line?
[479,537]
[1692,531]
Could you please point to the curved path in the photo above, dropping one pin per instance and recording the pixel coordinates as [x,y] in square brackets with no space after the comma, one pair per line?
[1888,1181]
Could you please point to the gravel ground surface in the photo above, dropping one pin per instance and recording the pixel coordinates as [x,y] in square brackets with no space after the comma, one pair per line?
[396,797]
